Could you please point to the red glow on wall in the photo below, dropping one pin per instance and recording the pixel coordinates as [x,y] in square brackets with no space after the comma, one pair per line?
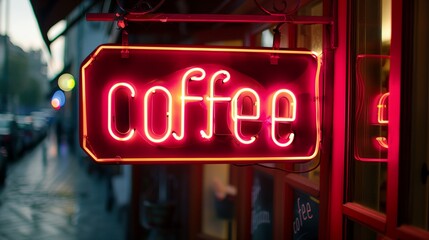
[176,104]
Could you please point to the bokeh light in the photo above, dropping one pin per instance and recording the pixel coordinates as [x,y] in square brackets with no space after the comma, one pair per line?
[66,82]
[58,99]
[55,103]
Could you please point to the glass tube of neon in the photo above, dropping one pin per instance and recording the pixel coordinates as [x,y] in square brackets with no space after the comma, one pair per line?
[236,117]
[169,114]
[382,141]
[130,133]
[382,106]
[191,74]
[274,119]
[211,98]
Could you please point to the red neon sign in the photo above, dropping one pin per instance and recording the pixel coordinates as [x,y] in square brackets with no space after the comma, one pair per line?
[184,104]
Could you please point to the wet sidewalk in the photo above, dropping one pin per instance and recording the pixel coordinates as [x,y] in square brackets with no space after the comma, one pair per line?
[50,195]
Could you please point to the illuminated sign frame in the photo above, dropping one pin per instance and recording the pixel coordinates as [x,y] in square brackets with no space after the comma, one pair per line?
[205,133]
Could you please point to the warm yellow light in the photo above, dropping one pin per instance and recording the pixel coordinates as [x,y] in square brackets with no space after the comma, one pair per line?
[66,82]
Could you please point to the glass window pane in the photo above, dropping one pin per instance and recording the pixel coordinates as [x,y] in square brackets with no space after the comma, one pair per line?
[369,186]
[262,206]
[370,66]
[217,205]
[356,231]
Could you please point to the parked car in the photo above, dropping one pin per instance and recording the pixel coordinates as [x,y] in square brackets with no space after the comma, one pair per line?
[3,166]
[26,132]
[40,125]
[9,135]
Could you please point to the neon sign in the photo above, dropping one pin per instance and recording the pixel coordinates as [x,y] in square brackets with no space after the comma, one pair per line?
[176,104]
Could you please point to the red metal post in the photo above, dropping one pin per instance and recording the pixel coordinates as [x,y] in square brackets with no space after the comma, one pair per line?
[336,169]
[394,118]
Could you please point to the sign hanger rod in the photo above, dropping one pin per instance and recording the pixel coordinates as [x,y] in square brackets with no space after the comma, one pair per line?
[210,18]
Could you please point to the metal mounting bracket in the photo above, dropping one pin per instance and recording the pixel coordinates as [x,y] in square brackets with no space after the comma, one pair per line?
[277,16]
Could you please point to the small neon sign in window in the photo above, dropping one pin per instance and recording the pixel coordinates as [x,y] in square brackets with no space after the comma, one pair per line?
[371,108]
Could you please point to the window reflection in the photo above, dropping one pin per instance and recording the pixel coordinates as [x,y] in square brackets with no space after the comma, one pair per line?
[372,73]
[369,103]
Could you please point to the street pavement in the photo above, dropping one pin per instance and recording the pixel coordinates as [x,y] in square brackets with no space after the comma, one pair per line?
[49,194]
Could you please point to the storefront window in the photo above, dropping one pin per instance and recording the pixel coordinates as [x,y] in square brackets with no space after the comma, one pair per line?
[370,66]
[262,206]
[217,201]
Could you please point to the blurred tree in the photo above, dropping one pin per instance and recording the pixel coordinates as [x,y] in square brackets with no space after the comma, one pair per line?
[23,83]
[18,71]
[30,95]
